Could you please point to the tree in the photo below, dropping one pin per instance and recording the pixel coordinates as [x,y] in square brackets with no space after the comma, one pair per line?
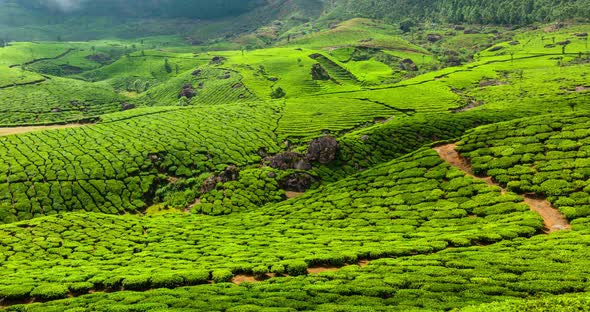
[407,24]
[278,93]
[167,66]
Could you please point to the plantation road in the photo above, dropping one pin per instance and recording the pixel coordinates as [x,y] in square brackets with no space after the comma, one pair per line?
[554,220]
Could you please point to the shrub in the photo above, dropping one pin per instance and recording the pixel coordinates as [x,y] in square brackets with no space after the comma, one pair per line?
[260,271]
[15,292]
[277,269]
[195,277]
[81,287]
[50,291]
[137,282]
[296,267]
[166,280]
[278,93]
[222,276]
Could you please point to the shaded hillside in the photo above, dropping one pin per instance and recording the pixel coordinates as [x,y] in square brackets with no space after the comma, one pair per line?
[469,11]
[22,20]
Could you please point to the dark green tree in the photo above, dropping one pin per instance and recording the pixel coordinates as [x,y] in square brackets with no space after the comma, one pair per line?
[167,66]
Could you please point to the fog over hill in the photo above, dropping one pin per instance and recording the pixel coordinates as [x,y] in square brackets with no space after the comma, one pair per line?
[86,19]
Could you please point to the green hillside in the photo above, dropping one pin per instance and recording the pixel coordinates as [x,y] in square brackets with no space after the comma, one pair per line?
[294,155]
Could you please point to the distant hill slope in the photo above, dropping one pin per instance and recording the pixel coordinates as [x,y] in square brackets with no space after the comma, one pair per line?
[26,20]
[468,11]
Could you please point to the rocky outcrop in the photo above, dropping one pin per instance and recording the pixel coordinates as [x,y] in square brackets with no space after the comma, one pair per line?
[188,91]
[323,150]
[127,106]
[217,60]
[434,37]
[289,160]
[318,72]
[231,173]
[297,182]
[408,65]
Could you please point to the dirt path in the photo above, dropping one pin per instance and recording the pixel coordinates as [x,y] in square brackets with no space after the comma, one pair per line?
[244,278]
[290,194]
[553,219]
[19,130]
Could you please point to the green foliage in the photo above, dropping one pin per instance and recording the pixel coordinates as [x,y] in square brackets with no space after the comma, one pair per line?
[544,155]
[413,205]
[121,171]
[50,291]
[260,271]
[519,275]
[253,189]
[466,11]
[136,282]
[222,276]
[295,268]
[16,292]
[278,93]
[167,66]
[166,281]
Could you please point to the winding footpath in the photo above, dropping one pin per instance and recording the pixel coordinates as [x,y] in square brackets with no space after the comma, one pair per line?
[554,220]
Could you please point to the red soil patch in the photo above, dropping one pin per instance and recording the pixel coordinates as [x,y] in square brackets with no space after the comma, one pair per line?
[293,194]
[239,279]
[553,219]
[322,269]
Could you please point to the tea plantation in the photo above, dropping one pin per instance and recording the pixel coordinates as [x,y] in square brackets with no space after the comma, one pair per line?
[297,166]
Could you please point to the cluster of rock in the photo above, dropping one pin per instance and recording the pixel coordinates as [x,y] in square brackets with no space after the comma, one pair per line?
[323,150]
[231,173]
[188,91]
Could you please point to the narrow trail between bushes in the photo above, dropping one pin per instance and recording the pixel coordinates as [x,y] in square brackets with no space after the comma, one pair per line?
[554,220]
[19,130]
[242,278]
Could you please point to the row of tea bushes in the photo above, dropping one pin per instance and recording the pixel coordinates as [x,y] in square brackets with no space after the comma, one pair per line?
[546,155]
[414,205]
[115,166]
[543,273]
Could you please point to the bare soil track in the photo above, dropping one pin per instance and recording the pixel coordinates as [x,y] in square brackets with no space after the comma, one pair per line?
[19,130]
[553,219]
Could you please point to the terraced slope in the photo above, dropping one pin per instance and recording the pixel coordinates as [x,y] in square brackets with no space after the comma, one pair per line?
[116,167]
[128,214]
[415,205]
[542,156]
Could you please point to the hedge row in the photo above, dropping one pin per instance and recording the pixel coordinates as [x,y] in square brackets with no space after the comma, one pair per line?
[116,166]
[546,155]
[457,278]
[414,205]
